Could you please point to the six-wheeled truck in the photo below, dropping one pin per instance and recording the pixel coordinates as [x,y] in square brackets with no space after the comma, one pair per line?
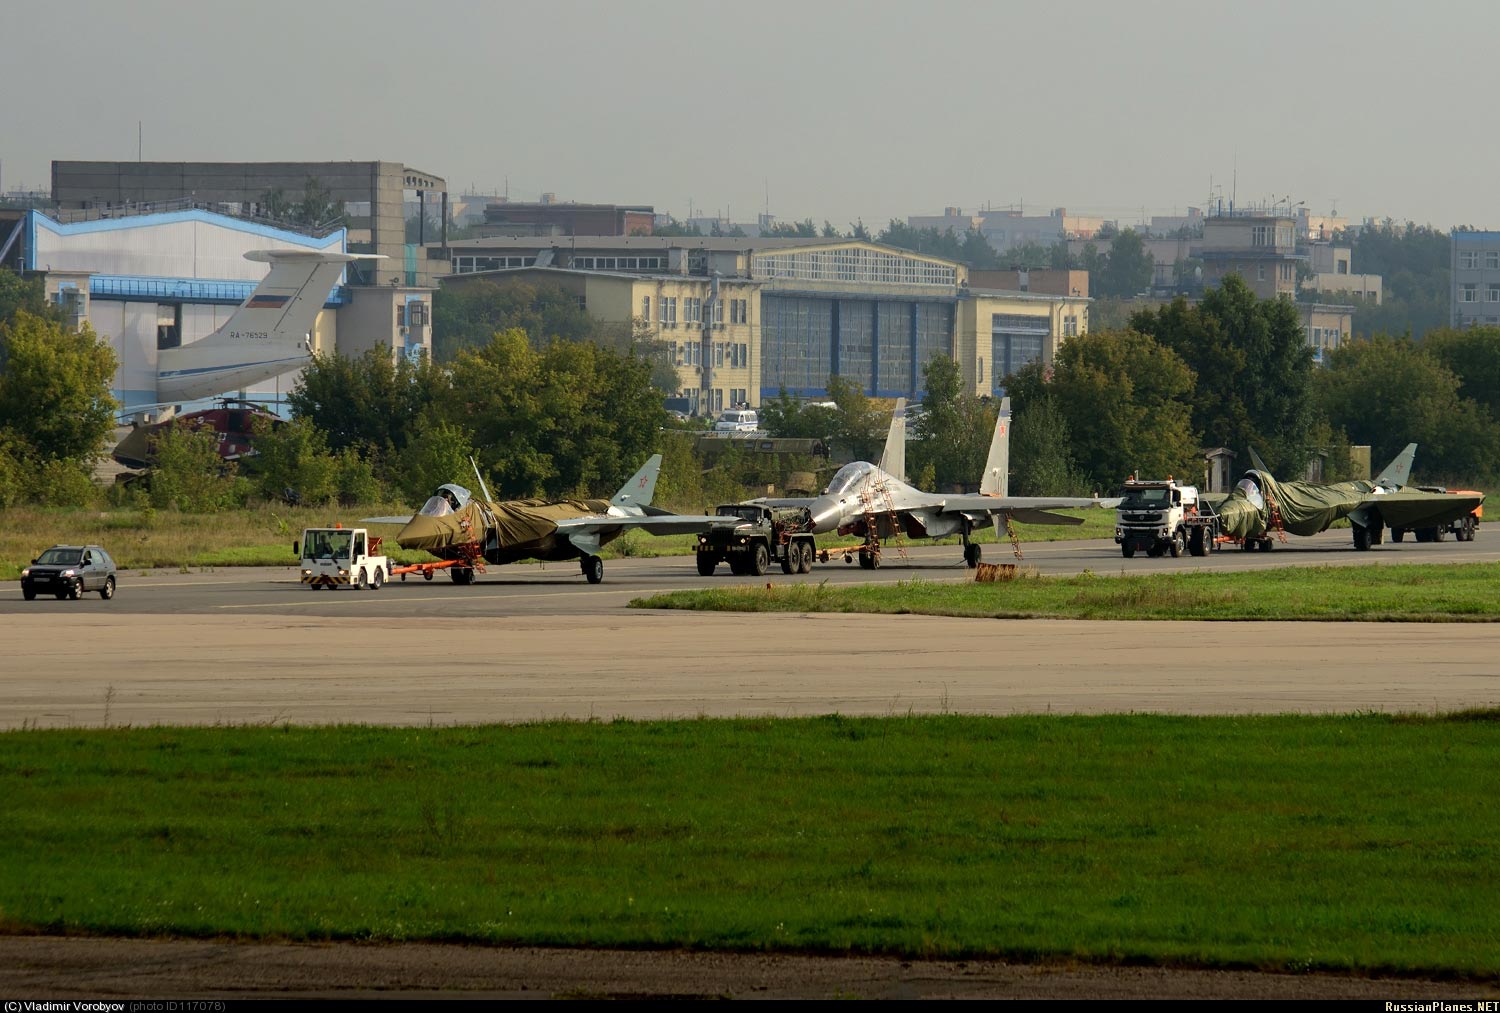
[341,557]
[754,536]
[1162,516]
[1463,528]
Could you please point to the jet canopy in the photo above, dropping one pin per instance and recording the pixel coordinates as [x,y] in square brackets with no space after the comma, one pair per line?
[448,499]
[849,478]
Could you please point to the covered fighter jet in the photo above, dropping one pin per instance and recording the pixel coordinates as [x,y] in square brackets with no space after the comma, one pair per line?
[868,500]
[468,531]
[1260,506]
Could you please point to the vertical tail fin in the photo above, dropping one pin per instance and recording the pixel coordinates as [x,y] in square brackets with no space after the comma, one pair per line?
[996,479]
[641,486]
[893,458]
[1398,472]
[265,337]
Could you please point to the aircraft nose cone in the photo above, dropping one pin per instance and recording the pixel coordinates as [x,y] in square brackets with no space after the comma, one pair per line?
[826,514]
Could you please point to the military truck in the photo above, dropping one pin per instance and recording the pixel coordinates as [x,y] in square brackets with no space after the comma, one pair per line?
[1163,516]
[753,536]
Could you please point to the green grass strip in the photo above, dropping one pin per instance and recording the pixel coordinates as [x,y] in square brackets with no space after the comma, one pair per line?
[1411,593]
[1360,843]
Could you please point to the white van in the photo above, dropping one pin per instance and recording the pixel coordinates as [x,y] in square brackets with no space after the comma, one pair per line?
[738,421]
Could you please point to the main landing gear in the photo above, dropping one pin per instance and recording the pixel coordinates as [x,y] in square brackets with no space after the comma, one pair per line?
[593,569]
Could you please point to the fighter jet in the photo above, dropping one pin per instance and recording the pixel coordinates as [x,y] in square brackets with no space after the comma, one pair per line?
[1261,506]
[867,500]
[468,531]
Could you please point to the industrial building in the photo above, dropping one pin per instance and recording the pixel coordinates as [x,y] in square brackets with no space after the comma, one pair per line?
[790,312]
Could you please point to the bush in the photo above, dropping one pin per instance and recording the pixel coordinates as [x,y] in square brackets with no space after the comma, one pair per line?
[190,475]
[63,483]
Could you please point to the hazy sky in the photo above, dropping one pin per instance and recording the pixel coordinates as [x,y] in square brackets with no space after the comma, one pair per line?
[843,110]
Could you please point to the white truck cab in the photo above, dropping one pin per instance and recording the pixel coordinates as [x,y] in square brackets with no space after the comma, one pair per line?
[1163,516]
[341,557]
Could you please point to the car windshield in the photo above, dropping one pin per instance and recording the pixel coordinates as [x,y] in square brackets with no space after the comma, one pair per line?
[848,478]
[327,544]
[1143,499]
[60,557]
[744,513]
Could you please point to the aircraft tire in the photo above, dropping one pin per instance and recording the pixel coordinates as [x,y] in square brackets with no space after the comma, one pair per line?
[1398,534]
[1247,545]
[1266,545]
[706,564]
[1361,538]
[972,555]
[593,570]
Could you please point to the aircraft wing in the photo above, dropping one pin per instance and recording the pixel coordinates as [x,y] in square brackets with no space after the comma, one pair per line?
[784,501]
[1420,509]
[1026,509]
[584,532]
[403,519]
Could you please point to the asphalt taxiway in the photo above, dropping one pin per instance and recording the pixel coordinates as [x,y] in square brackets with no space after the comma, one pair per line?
[531,642]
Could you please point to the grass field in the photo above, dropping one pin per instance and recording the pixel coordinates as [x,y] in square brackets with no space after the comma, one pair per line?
[1457,593]
[1364,843]
[263,536]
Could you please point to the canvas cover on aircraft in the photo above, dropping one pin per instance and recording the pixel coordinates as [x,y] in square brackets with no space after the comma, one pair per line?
[516,522]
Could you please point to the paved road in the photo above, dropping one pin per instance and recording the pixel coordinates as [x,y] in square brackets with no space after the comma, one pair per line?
[559,588]
[527,643]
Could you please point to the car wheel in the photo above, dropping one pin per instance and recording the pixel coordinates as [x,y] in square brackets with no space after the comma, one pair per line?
[362,582]
[1127,550]
[807,558]
[28,594]
[706,564]
[759,560]
[61,595]
[1176,546]
[790,557]
[76,591]
[108,590]
[378,579]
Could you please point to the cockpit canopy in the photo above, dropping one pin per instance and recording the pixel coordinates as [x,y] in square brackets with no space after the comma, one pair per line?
[1250,487]
[849,478]
[448,499]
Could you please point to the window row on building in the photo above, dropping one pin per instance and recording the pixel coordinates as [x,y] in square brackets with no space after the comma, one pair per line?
[854,264]
[1469,260]
[468,265]
[619,263]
